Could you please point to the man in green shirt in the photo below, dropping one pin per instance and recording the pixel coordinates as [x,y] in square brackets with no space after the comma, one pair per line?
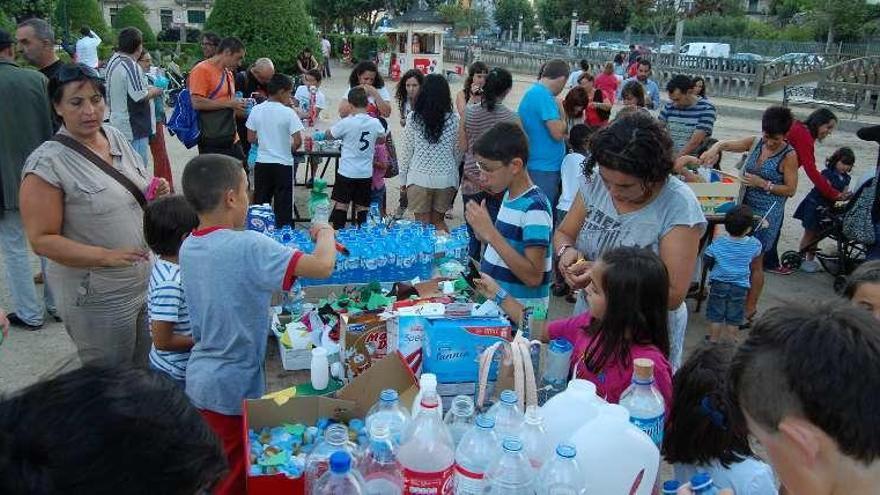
[24,124]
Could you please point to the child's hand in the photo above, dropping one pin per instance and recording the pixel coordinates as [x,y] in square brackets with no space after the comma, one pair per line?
[486,286]
[315,230]
[478,218]
[577,276]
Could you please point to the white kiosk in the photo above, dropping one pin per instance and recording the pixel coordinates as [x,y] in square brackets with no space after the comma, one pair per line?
[415,40]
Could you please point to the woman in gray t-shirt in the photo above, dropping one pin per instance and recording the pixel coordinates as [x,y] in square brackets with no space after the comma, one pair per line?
[631,200]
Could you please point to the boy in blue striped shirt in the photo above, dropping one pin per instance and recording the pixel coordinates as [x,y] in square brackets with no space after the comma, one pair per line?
[167,222]
[735,265]
[518,254]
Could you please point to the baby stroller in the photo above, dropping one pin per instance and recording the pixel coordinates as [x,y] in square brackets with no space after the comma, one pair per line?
[850,252]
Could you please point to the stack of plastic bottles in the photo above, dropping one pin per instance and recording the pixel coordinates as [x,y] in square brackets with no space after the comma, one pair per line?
[404,251]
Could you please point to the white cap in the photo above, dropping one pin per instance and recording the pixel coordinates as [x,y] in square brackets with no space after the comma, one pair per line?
[428,381]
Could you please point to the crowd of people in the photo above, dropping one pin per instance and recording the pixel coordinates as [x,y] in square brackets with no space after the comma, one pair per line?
[582,196]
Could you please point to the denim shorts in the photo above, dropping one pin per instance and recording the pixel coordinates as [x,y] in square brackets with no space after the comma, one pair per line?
[726,303]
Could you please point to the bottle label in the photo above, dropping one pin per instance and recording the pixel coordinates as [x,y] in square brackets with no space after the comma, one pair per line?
[652,426]
[468,482]
[436,483]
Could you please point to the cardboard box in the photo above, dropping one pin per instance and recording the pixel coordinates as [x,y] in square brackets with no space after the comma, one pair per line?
[405,334]
[451,347]
[354,400]
[364,340]
[294,359]
[717,198]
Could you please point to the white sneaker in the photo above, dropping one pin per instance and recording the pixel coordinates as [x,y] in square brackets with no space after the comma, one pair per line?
[810,266]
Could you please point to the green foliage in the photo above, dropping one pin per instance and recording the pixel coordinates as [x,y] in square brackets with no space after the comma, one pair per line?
[466,21]
[21,9]
[555,16]
[71,15]
[165,51]
[361,46]
[132,15]
[278,29]
[507,15]
[6,23]
[738,26]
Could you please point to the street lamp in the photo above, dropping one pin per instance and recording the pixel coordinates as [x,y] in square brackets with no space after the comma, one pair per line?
[574,22]
[519,30]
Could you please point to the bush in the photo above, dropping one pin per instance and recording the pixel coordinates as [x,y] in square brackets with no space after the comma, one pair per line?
[74,14]
[278,29]
[132,15]
[6,23]
[361,46]
[164,51]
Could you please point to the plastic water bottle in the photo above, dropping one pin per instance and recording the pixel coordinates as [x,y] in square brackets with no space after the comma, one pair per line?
[670,487]
[427,382]
[508,418]
[335,440]
[702,484]
[460,417]
[534,438]
[511,473]
[340,479]
[294,300]
[374,217]
[427,455]
[644,402]
[380,467]
[555,369]
[389,411]
[561,475]
[478,448]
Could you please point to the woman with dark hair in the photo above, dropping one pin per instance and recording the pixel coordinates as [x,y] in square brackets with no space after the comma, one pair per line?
[429,165]
[89,224]
[407,91]
[699,88]
[632,95]
[472,92]
[770,178]
[306,61]
[633,201]
[366,74]
[477,120]
[598,107]
[863,287]
[574,104]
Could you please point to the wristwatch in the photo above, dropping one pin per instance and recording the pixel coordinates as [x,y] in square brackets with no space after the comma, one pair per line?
[562,250]
[500,296]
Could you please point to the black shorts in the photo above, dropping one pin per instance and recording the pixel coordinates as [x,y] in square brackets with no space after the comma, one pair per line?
[357,191]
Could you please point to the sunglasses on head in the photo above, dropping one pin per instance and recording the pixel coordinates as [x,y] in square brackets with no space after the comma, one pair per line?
[76,72]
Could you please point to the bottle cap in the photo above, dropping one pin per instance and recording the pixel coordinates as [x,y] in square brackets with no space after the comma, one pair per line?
[428,381]
[643,369]
[340,462]
[388,395]
[485,422]
[700,481]
[671,486]
[508,397]
[512,444]
[566,450]
[561,346]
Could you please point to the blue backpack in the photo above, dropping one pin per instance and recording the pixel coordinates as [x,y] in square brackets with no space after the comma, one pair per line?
[184,121]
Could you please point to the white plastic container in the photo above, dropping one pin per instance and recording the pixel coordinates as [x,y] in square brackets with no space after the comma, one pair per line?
[427,455]
[535,446]
[511,473]
[478,448]
[615,455]
[569,410]
[320,369]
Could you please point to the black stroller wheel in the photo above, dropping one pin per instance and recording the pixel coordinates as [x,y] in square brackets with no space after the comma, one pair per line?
[791,260]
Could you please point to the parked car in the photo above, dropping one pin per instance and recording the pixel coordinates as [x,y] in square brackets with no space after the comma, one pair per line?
[713,50]
[751,57]
[666,48]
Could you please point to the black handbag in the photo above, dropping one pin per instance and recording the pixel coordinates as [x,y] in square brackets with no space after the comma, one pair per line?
[217,127]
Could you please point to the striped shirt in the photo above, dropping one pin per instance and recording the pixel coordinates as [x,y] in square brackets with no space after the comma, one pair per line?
[166,302]
[733,258]
[683,122]
[478,120]
[524,221]
[127,97]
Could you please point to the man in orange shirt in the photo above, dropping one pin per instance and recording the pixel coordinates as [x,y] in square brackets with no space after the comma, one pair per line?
[212,88]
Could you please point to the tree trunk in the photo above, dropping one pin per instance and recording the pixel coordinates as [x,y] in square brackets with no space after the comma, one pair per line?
[829,43]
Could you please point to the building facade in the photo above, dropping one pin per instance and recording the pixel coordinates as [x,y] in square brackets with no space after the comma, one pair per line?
[164,14]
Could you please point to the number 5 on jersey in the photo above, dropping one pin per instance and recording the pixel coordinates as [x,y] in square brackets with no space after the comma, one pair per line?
[364,143]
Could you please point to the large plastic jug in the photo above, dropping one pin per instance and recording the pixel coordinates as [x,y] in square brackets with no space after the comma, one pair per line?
[616,456]
[570,409]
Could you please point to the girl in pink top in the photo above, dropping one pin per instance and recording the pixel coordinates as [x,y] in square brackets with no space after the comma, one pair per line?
[627,319]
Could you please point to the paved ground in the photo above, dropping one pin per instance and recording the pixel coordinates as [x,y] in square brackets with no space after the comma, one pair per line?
[26,356]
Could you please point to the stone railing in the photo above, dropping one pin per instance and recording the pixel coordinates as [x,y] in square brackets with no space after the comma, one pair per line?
[860,77]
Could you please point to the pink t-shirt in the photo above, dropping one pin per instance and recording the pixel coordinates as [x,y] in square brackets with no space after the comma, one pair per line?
[380,156]
[616,377]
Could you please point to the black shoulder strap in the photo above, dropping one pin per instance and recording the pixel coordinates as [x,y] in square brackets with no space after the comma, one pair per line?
[104,166]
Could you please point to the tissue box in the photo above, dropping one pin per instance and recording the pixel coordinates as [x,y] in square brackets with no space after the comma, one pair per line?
[451,347]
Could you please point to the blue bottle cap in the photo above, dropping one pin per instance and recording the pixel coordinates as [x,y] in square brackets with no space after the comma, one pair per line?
[508,397]
[700,481]
[561,346]
[566,450]
[356,424]
[388,395]
[671,486]
[340,462]
[485,422]
[512,444]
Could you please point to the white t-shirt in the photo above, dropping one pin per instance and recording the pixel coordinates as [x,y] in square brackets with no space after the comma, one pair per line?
[383,92]
[325,47]
[572,171]
[573,78]
[303,97]
[87,50]
[358,133]
[274,124]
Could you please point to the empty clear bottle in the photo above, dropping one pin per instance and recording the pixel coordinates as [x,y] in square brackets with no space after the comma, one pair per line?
[510,473]
[507,415]
[477,449]
[340,479]
[534,438]
[335,440]
[427,455]
[556,369]
[379,465]
[389,410]
[645,404]
[460,417]
[702,484]
[561,474]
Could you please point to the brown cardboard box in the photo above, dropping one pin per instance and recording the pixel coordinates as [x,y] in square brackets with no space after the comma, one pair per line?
[364,340]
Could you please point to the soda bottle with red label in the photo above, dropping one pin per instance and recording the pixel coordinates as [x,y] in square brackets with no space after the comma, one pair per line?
[427,454]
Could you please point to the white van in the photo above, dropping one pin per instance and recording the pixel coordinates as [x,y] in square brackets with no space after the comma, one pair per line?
[713,50]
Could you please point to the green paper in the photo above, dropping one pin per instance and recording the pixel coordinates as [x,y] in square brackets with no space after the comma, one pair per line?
[278,459]
[377,301]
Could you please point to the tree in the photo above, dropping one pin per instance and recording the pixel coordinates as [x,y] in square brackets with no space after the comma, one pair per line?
[278,29]
[839,19]
[71,15]
[23,9]
[467,20]
[132,15]
[555,16]
[6,22]
[508,13]
[659,16]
